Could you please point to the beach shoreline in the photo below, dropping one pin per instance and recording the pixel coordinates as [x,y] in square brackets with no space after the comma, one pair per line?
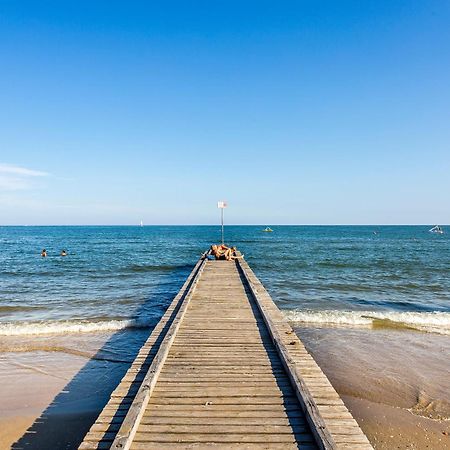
[381,398]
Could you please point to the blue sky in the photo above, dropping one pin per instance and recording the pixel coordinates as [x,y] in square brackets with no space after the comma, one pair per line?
[295,112]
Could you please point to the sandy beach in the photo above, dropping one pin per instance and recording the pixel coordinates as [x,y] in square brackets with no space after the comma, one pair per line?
[394,383]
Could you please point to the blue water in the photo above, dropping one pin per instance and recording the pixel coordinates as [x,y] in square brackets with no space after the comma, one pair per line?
[317,273]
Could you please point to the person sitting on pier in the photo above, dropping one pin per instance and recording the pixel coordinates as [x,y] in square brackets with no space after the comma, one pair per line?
[224,252]
[221,252]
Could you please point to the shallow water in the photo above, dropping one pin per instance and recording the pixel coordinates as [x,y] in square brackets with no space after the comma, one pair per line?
[117,277]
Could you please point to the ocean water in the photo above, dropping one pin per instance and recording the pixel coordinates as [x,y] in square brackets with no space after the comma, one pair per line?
[124,277]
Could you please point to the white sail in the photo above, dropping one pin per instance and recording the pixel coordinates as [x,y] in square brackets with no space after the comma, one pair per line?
[436,229]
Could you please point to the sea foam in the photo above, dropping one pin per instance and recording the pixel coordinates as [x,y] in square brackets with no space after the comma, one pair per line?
[69,327]
[434,322]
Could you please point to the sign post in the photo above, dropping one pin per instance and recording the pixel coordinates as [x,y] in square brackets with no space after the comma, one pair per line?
[222,205]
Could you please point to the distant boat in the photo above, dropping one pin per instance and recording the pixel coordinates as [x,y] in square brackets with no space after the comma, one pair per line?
[142,224]
[267,229]
[436,229]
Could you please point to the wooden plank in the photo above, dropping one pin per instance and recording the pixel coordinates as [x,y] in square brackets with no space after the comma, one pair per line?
[218,420]
[210,408]
[223,429]
[217,392]
[242,400]
[229,446]
[222,438]
[213,382]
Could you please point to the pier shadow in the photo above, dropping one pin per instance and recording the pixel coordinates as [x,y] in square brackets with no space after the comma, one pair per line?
[67,419]
[296,417]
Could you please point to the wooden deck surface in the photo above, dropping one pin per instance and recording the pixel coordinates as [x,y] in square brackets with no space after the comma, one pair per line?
[223,369]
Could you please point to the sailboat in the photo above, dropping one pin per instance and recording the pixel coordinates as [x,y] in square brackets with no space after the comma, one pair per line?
[436,229]
[142,224]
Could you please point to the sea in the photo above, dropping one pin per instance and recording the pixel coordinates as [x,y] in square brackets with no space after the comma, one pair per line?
[124,277]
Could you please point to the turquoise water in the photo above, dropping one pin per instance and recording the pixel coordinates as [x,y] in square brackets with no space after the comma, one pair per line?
[118,277]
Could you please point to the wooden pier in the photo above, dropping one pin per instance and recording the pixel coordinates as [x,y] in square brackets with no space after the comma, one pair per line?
[224,369]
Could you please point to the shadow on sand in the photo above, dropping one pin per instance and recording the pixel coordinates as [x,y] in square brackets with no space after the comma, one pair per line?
[65,422]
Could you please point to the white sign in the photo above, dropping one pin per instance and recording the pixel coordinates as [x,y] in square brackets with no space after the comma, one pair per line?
[222,204]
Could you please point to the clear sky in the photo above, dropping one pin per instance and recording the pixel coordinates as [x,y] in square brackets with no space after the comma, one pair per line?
[297,112]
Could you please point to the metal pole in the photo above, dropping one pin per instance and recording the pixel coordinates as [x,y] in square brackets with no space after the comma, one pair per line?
[222,226]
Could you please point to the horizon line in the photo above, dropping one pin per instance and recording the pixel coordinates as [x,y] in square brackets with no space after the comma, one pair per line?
[231,224]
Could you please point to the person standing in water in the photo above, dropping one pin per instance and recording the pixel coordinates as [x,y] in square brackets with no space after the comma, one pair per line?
[44,253]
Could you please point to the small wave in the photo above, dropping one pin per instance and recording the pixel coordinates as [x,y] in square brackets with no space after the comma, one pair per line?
[70,327]
[338,265]
[432,322]
[21,347]
[9,309]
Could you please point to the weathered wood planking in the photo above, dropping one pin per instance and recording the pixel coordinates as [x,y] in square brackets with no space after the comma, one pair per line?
[224,369]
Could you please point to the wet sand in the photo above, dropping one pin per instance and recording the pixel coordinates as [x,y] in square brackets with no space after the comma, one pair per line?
[394,382]
[12,428]
[53,388]
[28,384]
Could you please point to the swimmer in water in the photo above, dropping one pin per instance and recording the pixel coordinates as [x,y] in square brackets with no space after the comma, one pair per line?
[63,253]
[44,253]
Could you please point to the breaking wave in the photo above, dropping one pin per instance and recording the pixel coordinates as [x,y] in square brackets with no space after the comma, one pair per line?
[432,322]
[70,326]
